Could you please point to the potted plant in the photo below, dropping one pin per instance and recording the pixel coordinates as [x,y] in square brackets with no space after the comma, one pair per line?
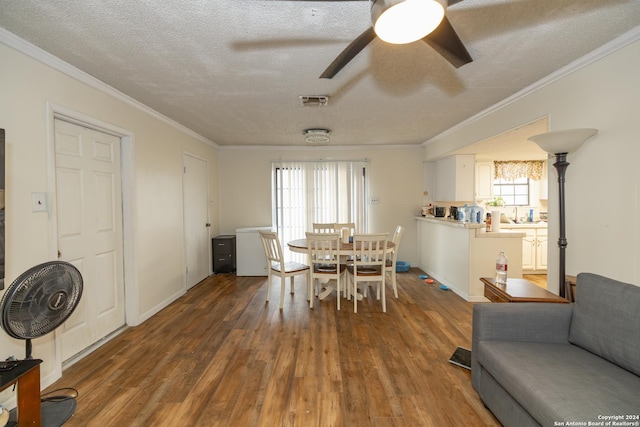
[496,202]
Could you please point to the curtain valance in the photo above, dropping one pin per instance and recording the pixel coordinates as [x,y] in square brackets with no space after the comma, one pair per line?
[513,169]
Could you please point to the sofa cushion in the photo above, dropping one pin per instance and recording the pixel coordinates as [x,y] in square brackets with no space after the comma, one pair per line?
[606,320]
[560,382]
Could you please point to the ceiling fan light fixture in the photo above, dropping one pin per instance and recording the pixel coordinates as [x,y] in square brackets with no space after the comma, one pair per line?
[405,21]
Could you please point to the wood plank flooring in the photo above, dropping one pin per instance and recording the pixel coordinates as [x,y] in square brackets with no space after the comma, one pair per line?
[221,356]
[538,279]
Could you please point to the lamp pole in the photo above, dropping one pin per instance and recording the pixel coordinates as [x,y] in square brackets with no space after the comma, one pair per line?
[561,143]
[561,165]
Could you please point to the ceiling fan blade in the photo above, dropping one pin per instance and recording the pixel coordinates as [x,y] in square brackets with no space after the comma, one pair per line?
[349,53]
[446,42]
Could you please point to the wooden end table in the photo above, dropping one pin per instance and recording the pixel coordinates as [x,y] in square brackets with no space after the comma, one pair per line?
[518,290]
[27,375]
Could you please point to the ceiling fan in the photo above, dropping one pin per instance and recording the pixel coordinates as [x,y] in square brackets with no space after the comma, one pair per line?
[406,21]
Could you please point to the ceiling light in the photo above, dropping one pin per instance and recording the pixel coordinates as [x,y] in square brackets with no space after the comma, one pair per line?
[316,136]
[405,21]
[314,100]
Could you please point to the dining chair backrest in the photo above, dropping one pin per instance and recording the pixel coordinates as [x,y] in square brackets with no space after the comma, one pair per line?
[323,250]
[397,235]
[338,226]
[276,264]
[369,261]
[319,227]
[272,247]
[369,249]
[393,258]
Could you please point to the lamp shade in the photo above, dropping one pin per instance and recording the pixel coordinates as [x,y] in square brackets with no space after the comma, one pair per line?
[563,141]
[405,21]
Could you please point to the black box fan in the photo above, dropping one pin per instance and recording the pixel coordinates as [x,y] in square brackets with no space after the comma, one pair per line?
[36,303]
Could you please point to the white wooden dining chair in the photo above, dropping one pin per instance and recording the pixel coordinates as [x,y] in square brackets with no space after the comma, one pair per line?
[277,266]
[392,258]
[321,227]
[346,258]
[369,262]
[323,251]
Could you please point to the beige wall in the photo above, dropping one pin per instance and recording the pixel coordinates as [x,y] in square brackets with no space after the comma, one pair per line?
[395,177]
[603,181]
[29,93]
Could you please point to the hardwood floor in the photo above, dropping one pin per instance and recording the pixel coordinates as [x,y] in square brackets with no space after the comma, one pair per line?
[221,356]
[538,279]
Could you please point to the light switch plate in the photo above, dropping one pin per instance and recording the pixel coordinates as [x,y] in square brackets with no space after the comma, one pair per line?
[39,202]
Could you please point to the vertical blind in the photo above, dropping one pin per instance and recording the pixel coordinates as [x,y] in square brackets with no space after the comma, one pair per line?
[310,192]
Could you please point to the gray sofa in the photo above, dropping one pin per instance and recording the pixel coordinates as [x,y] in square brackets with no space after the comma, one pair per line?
[561,364]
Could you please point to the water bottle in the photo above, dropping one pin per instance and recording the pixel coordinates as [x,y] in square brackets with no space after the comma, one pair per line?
[501,269]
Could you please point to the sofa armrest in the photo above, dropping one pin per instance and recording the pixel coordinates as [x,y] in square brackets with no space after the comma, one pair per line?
[538,322]
[535,322]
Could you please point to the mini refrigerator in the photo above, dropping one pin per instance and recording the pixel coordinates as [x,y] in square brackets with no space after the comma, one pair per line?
[250,257]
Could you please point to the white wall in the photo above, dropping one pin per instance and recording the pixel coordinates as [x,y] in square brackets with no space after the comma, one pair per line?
[395,177]
[603,181]
[29,92]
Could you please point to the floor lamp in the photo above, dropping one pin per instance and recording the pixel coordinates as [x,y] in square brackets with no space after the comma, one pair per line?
[560,144]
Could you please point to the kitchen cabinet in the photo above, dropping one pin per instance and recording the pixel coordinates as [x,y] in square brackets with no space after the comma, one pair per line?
[529,251]
[484,180]
[454,178]
[534,247]
[542,238]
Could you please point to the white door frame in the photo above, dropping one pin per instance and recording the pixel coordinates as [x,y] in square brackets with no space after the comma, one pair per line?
[127,150]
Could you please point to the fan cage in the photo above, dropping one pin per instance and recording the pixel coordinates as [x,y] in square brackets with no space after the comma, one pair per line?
[41,299]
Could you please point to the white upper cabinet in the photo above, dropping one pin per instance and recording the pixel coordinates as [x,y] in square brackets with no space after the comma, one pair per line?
[454,178]
[484,180]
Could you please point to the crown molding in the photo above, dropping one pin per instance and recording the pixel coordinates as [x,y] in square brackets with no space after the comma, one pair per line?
[327,147]
[616,44]
[11,40]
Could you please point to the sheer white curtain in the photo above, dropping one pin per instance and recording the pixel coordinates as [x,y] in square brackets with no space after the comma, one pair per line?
[317,191]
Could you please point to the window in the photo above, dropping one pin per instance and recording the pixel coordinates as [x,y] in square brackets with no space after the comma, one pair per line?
[317,191]
[514,192]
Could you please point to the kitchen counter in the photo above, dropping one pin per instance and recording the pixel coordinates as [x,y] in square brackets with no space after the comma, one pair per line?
[479,229]
[457,254]
[540,224]
[450,222]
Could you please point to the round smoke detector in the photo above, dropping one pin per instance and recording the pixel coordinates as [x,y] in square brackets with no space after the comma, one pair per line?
[317,136]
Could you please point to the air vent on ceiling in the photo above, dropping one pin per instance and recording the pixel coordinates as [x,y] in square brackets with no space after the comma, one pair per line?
[317,136]
[314,100]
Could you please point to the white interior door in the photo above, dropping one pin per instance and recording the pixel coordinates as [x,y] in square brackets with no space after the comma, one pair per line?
[196,223]
[89,227]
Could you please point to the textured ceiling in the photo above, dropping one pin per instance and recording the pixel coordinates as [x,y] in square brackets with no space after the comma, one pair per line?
[232,71]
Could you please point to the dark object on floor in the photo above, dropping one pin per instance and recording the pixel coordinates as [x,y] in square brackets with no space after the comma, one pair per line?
[461,357]
[54,414]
